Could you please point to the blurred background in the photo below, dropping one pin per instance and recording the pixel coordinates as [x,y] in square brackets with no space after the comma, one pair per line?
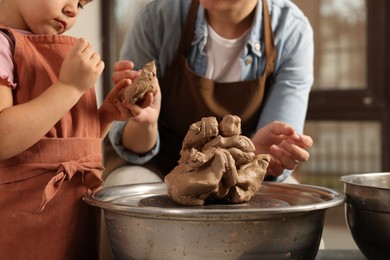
[347,115]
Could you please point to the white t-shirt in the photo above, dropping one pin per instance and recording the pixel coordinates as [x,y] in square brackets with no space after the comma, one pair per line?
[224,57]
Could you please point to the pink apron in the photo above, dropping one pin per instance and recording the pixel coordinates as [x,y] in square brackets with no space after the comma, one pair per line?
[43,215]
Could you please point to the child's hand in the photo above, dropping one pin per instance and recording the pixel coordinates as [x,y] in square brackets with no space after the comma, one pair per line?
[82,68]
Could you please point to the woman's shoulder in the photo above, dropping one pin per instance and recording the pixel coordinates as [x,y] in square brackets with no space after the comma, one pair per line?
[289,22]
[286,8]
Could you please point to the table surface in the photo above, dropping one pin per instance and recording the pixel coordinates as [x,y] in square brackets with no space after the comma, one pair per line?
[344,254]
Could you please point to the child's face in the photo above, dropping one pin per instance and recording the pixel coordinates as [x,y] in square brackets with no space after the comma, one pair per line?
[49,16]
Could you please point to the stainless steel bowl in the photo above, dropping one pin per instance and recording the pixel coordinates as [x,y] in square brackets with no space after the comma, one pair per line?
[282,221]
[367,212]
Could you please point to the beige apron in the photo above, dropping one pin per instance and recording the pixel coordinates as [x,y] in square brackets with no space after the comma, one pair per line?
[187,96]
[43,215]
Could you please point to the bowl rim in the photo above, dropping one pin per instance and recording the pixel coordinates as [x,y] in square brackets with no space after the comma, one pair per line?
[335,198]
[348,179]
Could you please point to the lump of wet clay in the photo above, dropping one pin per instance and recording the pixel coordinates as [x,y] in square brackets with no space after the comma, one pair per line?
[217,164]
[143,84]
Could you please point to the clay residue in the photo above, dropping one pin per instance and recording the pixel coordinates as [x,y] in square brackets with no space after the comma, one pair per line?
[217,164]
[143,84]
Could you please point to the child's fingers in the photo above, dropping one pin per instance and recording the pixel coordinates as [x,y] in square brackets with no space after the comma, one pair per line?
[95,58]
[87,50]
[80,45]
[100,66]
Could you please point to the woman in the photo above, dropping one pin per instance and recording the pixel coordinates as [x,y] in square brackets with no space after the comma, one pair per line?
[250,58]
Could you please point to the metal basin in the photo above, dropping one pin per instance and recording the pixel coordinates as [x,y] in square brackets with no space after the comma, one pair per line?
[367,212]
[282,221]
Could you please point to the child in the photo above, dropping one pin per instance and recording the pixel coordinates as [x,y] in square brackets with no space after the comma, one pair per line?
[51,131]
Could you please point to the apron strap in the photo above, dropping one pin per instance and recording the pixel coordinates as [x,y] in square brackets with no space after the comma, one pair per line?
[90,176]
[270,51]
[189,28]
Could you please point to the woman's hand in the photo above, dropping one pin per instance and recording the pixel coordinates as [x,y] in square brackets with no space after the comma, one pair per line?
[145,112]
[286,147]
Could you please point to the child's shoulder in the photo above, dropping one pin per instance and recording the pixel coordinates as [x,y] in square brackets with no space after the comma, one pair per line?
[5,37]
[7,41]
[7,46]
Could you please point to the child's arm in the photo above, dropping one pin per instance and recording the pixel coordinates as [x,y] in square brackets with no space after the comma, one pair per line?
[23,125]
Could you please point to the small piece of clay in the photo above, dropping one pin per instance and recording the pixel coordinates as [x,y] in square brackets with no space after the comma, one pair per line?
[143,84]
[217,164]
